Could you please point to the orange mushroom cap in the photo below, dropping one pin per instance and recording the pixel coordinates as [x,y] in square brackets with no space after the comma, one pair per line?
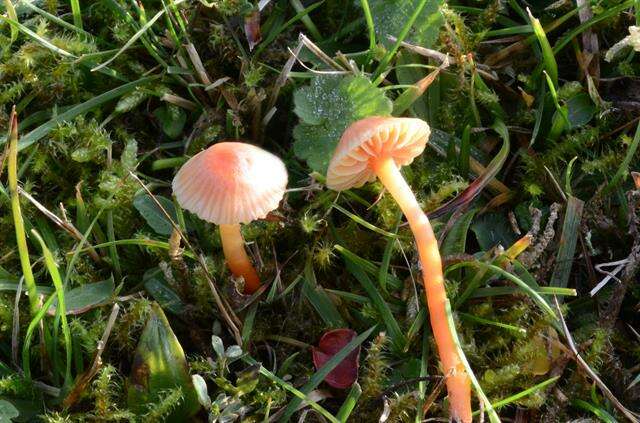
[231,182]
[373,138]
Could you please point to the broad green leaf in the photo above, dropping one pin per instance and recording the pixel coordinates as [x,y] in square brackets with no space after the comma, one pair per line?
[83,298]
[7,411]
[159,364]
[154,216]
[580,110]
[319,299]
[326,107]
[456,240]
[172,118]
[568,242]
[156,285]
[492,229]
[389,17]
[201,389]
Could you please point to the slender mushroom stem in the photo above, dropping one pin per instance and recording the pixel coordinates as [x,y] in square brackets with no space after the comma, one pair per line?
[236,256]
[458,383]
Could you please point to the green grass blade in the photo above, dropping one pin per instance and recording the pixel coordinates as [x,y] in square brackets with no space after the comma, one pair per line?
[495,291]
[54,19]
[511,328]
[319,376]
[363,222]
[548,56]
[349,403]
[383,272]
[370,26]
[52,268]
[18,222]
[11,13]
[493,416]
[535,296]
[77,13]
[139,242]
[475,188]
[319,299]
[297,393]
[382,67]
[568,241]
[26,343]
[393,328]
[40,40]
[274,34]
[624,166]
[41,131]
[306,20]
[132,40]
[525,393]
[563,41]
[602,415]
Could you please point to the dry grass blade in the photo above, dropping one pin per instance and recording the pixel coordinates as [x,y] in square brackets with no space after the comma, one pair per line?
[84,379]
[62,223]
[633,417]
[179,101]
[321,54]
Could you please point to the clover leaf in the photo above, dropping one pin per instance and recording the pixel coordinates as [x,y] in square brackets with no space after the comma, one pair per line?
[326,107]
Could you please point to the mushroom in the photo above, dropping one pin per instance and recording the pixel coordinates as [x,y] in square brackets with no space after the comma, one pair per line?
[228,184]
[378,147]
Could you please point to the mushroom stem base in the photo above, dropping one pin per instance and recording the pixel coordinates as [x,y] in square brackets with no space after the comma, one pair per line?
[458,383]
[236,257]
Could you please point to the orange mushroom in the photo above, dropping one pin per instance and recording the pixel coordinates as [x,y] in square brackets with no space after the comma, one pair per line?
[228,184]
[378,147]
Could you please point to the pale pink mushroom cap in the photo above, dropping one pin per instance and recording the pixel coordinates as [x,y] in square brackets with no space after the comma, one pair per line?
[231,182]
[370,139]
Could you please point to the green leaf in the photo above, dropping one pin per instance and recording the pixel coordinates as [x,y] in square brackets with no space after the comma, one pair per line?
[389,17]
[156,285]
[456,240]
[7,411]
[159,364]
[319,298]
[568,242]
[580,110]
[326,107]
[41,131]
[83,298]
[154,216]
[201,389]
[395,332]
[492,229]
[172,118]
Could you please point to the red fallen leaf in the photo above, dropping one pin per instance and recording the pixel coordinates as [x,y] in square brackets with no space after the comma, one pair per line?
[345,373]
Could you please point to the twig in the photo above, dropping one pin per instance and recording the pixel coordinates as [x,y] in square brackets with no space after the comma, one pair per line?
[605,390]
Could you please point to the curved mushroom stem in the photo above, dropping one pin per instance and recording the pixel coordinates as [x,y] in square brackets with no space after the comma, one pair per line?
[236,256]
[458,383]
